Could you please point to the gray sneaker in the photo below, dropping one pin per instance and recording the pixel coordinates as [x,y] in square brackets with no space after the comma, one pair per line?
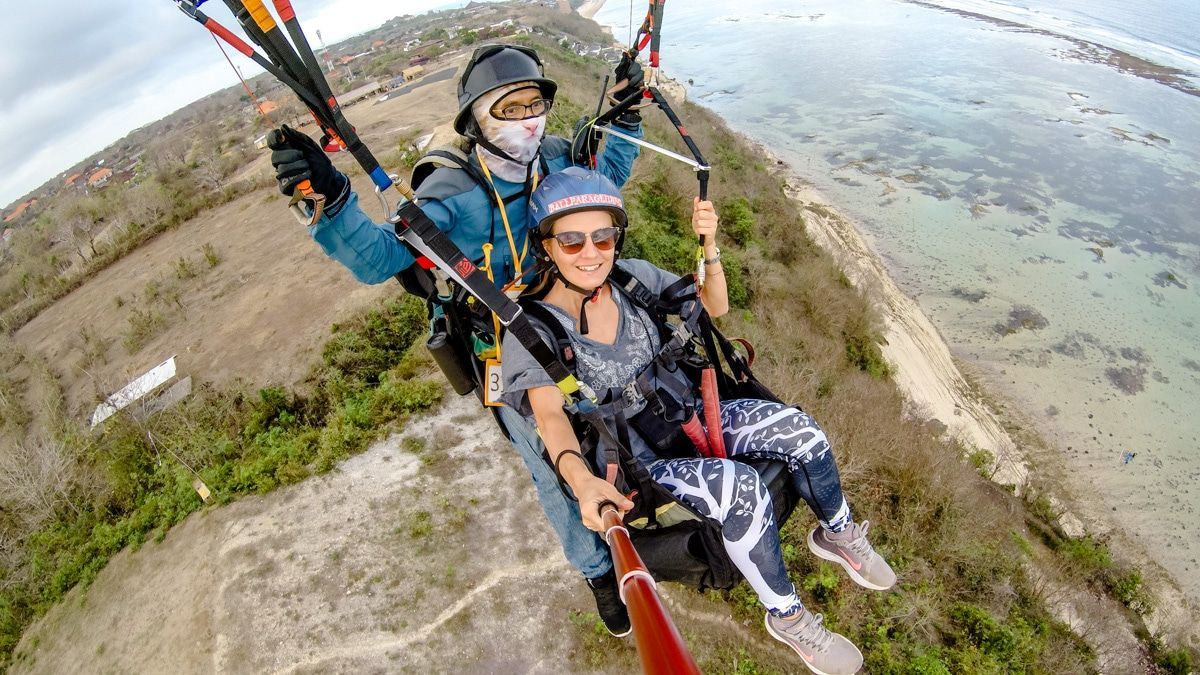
[850,549]
[823,651]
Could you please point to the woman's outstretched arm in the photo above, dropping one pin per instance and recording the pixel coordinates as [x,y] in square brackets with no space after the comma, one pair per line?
[559,437]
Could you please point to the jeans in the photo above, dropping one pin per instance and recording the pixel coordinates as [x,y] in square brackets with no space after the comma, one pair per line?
[585,550]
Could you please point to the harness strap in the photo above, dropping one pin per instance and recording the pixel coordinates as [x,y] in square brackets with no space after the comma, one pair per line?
[411,221]
[562,341]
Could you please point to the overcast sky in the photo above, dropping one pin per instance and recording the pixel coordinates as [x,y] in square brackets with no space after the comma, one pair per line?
[76,76]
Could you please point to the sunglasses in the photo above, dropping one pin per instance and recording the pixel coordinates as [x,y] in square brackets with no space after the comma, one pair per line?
[604,239]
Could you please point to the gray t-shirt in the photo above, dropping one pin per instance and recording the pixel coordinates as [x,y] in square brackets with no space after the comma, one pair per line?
[600,365]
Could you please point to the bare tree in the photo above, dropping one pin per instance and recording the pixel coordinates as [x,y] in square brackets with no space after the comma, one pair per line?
[77,222]
[36,480]
[147,203]
[165,157]
[207,171]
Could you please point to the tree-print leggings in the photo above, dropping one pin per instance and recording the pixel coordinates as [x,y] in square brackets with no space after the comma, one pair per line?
[732,493]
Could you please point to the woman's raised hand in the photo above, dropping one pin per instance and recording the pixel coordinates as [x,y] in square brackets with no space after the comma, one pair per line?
[704,219]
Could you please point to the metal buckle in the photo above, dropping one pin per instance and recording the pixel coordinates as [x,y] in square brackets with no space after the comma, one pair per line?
[632,396]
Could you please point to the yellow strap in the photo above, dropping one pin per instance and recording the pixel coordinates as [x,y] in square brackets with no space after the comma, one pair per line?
[518,258]
[487,267]
[569,386]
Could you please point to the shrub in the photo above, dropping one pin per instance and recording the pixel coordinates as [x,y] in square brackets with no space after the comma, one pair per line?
[822,583]
[184,269]
[862,351]
[144,325]
[1087,554]
[210,255]
[982,460]
[1176,662]
[737,221]
[370,345]
[980,629]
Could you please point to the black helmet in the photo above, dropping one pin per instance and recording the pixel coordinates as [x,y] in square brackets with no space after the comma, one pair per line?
[493,66]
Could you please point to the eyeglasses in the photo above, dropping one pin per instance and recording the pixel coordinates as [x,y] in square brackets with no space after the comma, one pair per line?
[517,111]
[604,239]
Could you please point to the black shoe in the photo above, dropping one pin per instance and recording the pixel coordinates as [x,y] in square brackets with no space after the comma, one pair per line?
[608,604]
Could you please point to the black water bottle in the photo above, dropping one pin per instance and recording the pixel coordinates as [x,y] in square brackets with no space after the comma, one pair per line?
[451,363]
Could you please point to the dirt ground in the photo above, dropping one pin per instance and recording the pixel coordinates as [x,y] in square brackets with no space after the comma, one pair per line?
[338,574]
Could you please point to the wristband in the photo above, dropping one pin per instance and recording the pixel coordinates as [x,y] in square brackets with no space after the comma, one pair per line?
[714,260]
[563,454]
[562,484]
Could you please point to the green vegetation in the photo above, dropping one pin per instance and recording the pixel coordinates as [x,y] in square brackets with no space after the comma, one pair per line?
[210,255]
[982,460]
[368,382]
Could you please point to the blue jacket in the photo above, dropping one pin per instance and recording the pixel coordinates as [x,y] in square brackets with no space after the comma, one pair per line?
[463,210]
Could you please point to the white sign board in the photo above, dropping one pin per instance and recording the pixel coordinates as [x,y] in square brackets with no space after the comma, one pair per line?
[136,389]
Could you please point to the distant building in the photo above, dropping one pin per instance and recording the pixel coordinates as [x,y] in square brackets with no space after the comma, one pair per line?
[132,162]
[70,180]
[413,72]
[99,178]
[359,93]
[261,142]
[16,213]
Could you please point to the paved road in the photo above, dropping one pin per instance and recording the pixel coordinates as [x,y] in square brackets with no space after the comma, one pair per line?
[443,74]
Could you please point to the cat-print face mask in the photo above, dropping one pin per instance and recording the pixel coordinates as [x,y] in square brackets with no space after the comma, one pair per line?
[519,138]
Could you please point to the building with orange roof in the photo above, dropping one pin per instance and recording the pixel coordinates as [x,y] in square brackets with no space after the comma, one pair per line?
[70,180]
[99,177]
[16,212]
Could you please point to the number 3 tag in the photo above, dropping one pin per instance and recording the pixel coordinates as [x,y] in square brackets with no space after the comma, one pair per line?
[493,387]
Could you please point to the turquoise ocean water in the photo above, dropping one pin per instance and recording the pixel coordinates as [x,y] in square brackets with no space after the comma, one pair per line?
[1037,192]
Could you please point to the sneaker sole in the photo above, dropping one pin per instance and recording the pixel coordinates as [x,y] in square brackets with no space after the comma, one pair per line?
[619,635]
[777,636]
[833,557]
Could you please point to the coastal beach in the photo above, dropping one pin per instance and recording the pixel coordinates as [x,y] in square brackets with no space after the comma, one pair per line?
[1054,375]
[589,8]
